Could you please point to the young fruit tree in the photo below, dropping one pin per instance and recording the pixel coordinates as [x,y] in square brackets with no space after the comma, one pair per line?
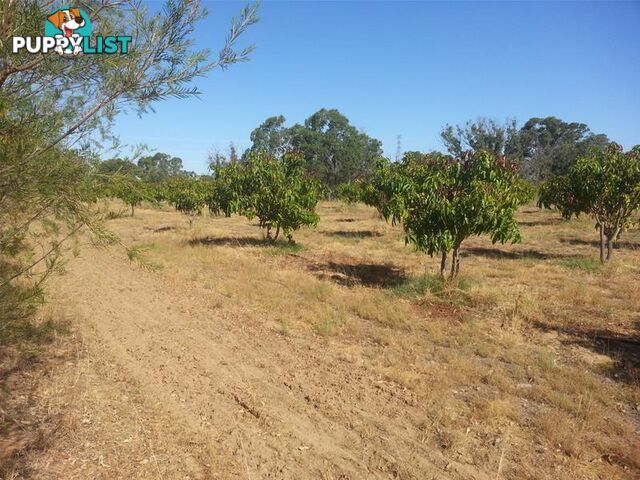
[278,193]
[604,185]
[131,190]
[441,201]
[225,190]
[188,195]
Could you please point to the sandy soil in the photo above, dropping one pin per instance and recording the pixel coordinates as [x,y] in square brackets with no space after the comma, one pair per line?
[167,386]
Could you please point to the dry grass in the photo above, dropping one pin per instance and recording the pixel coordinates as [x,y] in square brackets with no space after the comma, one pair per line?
[526,368]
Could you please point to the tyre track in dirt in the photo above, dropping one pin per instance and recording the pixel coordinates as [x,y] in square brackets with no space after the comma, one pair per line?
[258,404]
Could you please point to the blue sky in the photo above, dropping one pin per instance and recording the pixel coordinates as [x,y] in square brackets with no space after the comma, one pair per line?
[408,68]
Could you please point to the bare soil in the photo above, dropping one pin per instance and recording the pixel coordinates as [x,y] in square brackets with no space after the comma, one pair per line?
[163,375]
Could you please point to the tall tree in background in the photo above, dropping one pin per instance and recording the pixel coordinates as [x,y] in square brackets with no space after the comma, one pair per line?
[542,148]
[482,134]
[335,151]
[270,138]
[52,108]
[159,167]
[550,146]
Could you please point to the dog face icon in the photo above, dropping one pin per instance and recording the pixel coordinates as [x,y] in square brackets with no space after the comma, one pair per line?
[67,20]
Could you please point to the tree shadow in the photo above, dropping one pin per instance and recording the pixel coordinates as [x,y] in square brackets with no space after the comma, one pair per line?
[540,223]
[353,274]
[346,220]
[353,234]
[624,350]
[625,244]
[231,242]
[516,255]
[160,229]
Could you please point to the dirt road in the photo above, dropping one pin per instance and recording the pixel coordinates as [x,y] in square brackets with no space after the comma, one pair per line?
[168,385]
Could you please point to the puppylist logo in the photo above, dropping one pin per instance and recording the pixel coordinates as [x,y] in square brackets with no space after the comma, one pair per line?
[67,30]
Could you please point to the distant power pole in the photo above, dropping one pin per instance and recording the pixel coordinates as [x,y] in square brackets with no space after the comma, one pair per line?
[399,148]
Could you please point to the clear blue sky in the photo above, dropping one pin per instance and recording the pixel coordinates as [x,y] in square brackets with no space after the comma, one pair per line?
[408,68]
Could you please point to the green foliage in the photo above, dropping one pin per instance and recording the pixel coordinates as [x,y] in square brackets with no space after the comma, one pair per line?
[275,191]
[482,134]
[226,189]
[549,146]
[604,185]
[441,201]
[334,150]
[159,167]
[543,147]
[351,192]
[188,195]
[279,194]
[270,138]
[55,110]
[132,191]
[136,255]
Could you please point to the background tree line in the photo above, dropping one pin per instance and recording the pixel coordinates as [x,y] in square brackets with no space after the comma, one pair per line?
[336,152]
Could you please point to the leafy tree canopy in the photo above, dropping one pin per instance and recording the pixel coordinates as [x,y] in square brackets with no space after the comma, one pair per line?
[603,184]
[549,146]
[276,191]
[159,167]
[543,147]
[334,150]
[441,201]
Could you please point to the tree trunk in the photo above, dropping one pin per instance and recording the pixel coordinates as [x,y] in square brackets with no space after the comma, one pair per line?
[609,248]
[602,243]
[455,262]
[132,206]
[443,263]
[277,233]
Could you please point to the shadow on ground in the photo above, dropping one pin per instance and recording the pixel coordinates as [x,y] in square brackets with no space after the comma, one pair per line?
[516,254]
[621,244]
[231,242]
[541,223]
[353,233]
[622,348]
[352,273]
[27,352]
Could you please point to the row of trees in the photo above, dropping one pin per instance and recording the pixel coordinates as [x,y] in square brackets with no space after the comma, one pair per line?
[276,191]
[154,169]
[441,200]
[336,152]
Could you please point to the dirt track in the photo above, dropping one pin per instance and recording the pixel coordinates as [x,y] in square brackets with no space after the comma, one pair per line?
[170,386]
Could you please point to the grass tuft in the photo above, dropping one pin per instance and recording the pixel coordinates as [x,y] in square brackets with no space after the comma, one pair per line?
[582,263]
[136,255]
